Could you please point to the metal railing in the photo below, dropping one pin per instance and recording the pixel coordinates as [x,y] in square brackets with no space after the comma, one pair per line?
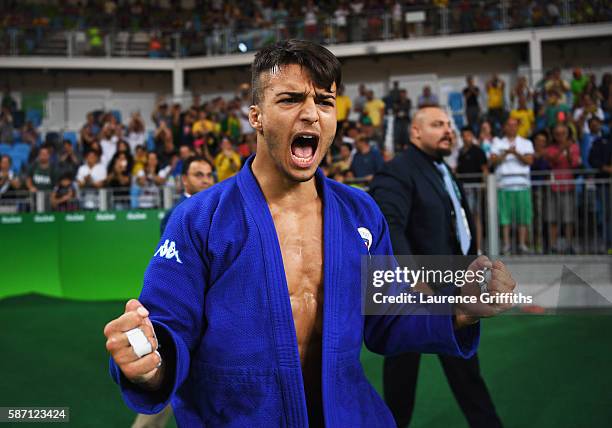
[90,199]
[563,216]
[216,38]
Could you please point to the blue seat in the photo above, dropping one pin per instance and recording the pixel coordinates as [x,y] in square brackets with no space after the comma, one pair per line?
[18,161]
[5,149]
[72,137]
[455,102]
[34,116]
[150,142]
[21,148]
[458,118]
[117,115]
[17,136]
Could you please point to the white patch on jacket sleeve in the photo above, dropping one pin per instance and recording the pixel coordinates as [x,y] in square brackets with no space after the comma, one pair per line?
[168,250]
[366,235]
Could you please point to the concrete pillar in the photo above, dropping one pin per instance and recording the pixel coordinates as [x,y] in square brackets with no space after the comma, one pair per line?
[177,83]
[535,58]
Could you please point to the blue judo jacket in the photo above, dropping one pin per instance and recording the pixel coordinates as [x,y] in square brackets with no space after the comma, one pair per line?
[218,299]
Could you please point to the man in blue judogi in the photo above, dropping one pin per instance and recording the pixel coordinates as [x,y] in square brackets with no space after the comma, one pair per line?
[250,314]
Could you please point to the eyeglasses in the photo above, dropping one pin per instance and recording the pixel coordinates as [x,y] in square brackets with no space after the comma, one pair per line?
[202,175]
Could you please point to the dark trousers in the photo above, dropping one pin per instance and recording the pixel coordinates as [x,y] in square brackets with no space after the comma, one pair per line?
[400,378]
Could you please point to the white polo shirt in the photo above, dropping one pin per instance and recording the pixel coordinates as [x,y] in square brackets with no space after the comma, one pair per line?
[512,174]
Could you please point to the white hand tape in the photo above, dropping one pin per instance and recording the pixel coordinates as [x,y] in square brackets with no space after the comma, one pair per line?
[139,342]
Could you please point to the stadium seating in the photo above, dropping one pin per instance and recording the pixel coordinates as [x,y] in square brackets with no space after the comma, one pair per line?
[72,137]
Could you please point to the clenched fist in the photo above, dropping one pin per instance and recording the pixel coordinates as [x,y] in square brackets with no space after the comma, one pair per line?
[147,370]
[500,284]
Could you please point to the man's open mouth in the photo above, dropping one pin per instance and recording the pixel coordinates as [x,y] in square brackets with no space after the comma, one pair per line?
[303,149]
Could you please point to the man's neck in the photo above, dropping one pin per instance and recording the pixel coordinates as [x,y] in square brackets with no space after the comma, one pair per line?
[279,189]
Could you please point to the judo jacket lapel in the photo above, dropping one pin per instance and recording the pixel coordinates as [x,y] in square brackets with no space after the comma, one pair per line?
[288,359]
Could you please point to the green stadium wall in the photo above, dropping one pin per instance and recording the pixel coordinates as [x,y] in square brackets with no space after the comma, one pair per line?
[83,255]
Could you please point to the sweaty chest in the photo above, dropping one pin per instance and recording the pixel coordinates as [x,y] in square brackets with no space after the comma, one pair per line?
[300,236]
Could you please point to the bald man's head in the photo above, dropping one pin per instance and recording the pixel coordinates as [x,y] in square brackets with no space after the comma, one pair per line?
[431,131]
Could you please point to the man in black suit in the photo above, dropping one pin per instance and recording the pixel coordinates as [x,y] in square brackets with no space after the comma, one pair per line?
[428,214]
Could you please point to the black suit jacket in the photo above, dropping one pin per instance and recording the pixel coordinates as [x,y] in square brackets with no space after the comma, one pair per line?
[411,194]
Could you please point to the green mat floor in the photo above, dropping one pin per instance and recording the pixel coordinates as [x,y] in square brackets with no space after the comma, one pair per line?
[542,371]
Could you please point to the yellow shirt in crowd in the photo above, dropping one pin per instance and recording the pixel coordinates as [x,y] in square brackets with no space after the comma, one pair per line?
[495,96]
[343,106]
[227,166]
[526,120]
[374,111]
[204,126]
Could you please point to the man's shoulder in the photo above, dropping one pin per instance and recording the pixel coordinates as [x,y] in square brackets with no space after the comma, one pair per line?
[355,198]
[202,206]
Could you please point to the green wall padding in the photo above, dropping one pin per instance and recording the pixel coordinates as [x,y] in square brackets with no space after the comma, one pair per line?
[86,256]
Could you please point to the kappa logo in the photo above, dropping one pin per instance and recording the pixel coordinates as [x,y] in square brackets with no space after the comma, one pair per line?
[366,235]
[169,251]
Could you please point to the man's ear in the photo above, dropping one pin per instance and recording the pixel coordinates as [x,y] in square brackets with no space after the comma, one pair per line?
[255,117]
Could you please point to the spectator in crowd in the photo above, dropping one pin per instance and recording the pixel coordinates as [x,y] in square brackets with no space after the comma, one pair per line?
[495,102]
[367,161]
[525,117]
[148,181]
[167,151]
[6,126]
[161,114]
[184,153]
[140,160]
[186,135]
[136,132]
[108,143]
[557,84]
[587,110]
[162,134]
[601,158]
[577,85]
[41,175]
[204,125]
[118,179]
[485,137]
[8,181]
[556,111]
[402,109]
[540,171]
[343,107]
[605,89]
[375,109]
[8,101]
[29,134]
[521,89]
[361,99]
[512,156]
[196,175]
[245,102]
[562,155]
[228,161]
[91,177]
[586,142]
[310,12]
[343,163]
[472,162]
[64,194]
[89,132]
[68,161]
[427,98]
[472,106]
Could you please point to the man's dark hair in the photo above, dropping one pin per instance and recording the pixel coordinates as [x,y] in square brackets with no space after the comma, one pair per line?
[324,68]
[467,129]
[192,159]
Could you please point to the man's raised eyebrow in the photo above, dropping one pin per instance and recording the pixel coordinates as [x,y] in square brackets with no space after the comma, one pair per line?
[294,94]
[325,96]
